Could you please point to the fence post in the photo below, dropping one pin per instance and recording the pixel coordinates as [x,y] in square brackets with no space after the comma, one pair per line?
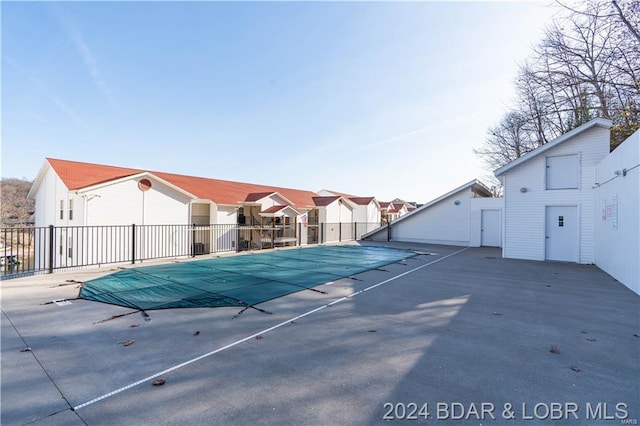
[51,254]
[193,240]
[321,236]
[355,231]
[133,243]
[273,234]
[299,234]
[388,231]
[340,231]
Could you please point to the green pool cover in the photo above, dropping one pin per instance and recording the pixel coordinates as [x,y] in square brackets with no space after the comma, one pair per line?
[236,281]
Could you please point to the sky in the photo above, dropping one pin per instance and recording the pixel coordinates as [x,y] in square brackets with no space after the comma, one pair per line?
[366,98]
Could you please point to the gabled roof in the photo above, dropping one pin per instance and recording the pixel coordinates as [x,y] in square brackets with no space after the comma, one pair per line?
[384,204]
[339,193]
[596,122]
[395,208]
[273,209]
[324,201]
[77,175]
[362,201]
[278,210]
[255,196]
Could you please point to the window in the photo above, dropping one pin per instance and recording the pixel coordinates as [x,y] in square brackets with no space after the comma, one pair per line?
[562,172]
[70,247]
[61,209]
[70,209]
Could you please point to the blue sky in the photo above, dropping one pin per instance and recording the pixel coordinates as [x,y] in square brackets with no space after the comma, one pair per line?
[382,99]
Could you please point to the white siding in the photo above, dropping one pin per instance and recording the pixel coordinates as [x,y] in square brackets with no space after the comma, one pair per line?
[617,215]
[225,237]
[524,214]
[366,213]
[360,213]
[476,206]
[48,197]
[442,223]
[124,204]
[227,215]
[338,212]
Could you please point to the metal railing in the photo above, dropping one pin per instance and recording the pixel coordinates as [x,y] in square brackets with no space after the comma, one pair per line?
[34,250]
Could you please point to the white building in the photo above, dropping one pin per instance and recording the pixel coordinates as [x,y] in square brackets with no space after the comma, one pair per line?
[465,216]
[550,199]
[571,200]
[367,209]
[72,195]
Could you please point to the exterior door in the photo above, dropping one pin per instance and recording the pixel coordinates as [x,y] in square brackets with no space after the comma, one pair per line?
[491,228]
[561,239]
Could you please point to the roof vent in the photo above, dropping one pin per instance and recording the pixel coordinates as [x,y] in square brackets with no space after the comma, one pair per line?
[144,185]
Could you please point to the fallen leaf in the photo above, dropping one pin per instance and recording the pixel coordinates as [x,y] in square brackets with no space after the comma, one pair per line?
[128,343]
[294,322]
[496,313]
[134,325]
[583,332]
[159,382]
[372,331]
[27,349]
[574,368]
[258,337]
[196,333]
[554,350]
[590,339]
[636,335]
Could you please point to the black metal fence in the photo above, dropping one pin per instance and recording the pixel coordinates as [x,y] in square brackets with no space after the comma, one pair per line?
[32,250]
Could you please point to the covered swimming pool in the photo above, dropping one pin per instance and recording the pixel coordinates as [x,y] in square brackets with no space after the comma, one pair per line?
[244,280]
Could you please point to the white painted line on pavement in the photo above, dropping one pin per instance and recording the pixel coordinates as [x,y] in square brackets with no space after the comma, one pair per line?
[266,330]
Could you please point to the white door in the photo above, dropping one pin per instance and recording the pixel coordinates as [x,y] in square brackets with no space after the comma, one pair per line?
[561,233]
[491,228]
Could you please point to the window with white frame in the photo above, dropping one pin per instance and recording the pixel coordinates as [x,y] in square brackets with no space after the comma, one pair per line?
[562,172]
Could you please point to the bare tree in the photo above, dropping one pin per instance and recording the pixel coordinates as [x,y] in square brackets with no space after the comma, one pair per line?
[507,141]
[586,66]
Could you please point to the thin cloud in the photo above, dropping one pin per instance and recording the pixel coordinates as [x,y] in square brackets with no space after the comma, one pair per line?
[45,90]
[403,136]
[87,55]
[440,125]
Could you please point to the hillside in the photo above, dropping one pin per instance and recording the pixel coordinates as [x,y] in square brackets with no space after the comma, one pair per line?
[15,207]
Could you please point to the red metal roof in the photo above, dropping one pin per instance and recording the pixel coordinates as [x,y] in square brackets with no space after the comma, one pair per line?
[77,175]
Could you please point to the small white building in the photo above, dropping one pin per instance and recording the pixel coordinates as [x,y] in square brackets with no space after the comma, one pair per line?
[572,200]
[550,199]
[465,216]
[367,209]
